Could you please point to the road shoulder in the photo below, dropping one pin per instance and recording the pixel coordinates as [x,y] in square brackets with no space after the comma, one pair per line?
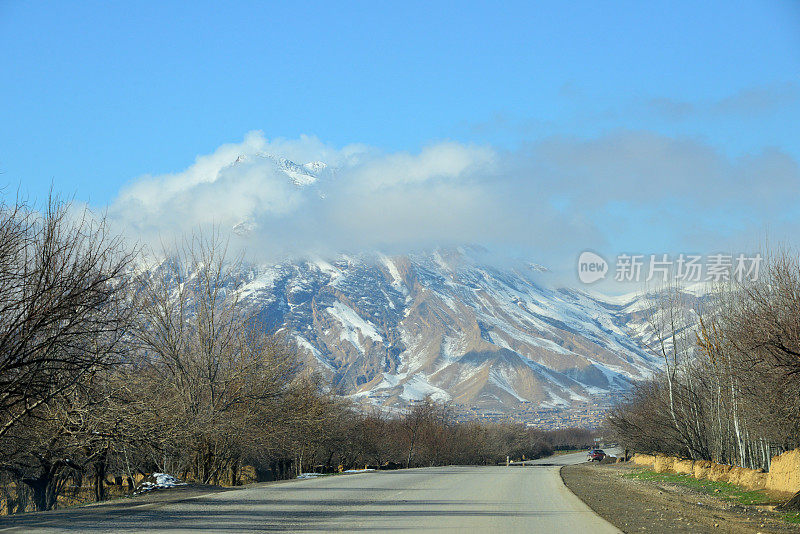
[127,505]
[112,507]
[636,505]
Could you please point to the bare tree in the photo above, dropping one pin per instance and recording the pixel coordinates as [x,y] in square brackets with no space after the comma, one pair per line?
[735,399]
[214,368]
[419,415]
[63,304]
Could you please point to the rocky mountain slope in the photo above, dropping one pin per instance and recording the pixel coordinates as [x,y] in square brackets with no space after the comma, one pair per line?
[448,323]
[392,330]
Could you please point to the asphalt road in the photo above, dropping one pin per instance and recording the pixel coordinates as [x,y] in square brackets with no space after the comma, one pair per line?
[459,499]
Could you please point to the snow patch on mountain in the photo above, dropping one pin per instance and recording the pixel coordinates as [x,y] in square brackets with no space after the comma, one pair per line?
[354,327]
[417,388]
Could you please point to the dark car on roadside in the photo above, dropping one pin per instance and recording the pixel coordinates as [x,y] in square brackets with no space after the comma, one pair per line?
[596,455]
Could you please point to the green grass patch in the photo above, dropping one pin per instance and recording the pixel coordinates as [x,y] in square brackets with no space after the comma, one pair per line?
[793,517]
[723,490]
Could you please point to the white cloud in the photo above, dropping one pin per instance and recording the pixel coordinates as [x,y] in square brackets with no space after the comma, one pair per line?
[551,199]
[749,102]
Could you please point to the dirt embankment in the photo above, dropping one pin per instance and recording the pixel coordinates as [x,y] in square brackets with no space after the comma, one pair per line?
[638,504]
[783,476]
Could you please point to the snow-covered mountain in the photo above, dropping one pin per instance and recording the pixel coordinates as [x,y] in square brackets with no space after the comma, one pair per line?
[447,323]
[395,329]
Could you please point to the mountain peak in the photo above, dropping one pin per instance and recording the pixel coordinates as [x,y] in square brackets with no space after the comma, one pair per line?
[301,175]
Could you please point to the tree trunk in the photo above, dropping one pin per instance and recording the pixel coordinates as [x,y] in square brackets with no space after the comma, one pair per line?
[38,488]
[44,487]
[100,477]
[100,482]
[410,452]
[235,469]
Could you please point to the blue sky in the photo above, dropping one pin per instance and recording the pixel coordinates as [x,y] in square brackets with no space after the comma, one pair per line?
[96,94]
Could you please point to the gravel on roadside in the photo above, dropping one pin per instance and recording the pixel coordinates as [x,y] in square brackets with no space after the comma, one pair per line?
[647,506]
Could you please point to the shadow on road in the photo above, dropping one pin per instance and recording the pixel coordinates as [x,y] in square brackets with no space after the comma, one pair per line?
[235,520]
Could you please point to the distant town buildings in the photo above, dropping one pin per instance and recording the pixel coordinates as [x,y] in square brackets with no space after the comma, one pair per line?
[579,415]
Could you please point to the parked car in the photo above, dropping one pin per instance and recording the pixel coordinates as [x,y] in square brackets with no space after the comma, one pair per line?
[596,455]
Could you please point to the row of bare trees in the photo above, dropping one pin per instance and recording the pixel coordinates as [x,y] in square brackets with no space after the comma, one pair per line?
[428,435]
[113,365]
[730,387]
[64,320]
